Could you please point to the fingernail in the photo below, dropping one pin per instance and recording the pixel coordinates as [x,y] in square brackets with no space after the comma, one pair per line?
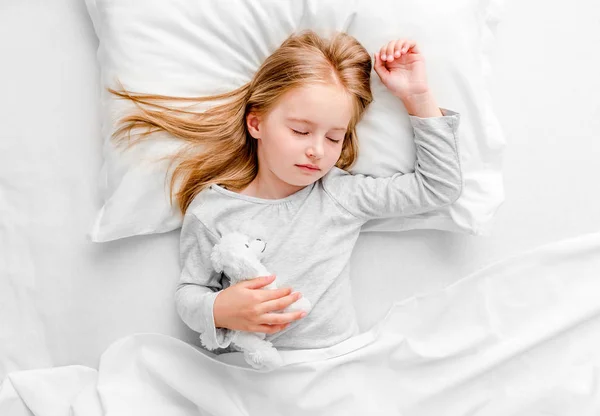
[303,314]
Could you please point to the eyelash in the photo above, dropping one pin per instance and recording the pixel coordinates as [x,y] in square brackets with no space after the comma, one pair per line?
[304,134]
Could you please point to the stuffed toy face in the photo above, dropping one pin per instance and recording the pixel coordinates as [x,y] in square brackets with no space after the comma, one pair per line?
[238,256]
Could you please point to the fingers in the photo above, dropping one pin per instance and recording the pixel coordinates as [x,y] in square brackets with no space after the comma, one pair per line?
[396,48]
[379,66]
[270,294]
[266,296]
[258,282]
[275,318]
[411,45]
[268,301]
[271,322]
[392,46]
[278,304]
[269,329]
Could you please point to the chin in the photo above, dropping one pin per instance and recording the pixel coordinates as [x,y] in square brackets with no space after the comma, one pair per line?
[302,181]
[305,182]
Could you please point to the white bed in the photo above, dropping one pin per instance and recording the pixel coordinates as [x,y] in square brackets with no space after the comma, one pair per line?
[64,300]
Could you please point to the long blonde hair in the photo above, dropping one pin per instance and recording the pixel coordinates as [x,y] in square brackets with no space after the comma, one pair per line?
[218,147]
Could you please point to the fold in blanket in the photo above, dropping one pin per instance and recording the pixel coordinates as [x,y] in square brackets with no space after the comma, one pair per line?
[519,337]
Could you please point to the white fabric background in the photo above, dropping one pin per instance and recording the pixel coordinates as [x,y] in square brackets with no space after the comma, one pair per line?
[64,300]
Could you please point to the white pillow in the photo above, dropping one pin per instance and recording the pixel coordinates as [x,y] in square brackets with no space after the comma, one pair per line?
[192,48]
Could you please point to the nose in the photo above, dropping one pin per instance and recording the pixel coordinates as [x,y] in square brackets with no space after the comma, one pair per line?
[316,149]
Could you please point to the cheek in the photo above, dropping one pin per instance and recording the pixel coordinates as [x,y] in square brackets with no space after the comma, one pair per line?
[281,144]
[287,143]
[334,155]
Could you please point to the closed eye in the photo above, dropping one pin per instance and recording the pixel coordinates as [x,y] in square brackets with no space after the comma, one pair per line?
[305,133]
[299,132]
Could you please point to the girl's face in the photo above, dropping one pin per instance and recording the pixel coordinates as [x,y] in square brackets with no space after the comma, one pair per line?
[306,127]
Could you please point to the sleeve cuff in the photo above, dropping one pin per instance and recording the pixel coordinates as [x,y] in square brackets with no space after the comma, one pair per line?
[449,118]
[212,337]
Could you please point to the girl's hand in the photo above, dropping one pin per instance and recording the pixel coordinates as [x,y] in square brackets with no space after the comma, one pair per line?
[401,68]
[245,306]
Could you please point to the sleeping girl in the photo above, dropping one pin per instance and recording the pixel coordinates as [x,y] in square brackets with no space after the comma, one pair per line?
[276,152]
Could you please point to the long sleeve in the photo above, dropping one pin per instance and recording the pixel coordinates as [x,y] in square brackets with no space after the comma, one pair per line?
[436,182]
[199,283]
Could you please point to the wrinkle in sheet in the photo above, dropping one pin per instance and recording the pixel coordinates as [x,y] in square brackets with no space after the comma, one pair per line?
[440,353]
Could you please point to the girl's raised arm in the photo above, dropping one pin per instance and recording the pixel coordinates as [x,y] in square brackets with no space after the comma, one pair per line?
[436,181]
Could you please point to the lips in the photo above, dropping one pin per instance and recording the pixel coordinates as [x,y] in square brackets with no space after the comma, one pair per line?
[311,167]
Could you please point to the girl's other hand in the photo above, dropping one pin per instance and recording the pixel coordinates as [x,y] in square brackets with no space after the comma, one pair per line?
[244,306]
[401,68]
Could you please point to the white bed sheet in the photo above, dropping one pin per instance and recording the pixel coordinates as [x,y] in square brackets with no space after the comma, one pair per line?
[64,300]
[518,338]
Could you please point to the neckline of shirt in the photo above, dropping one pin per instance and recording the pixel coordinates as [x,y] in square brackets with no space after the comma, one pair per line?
[296,195]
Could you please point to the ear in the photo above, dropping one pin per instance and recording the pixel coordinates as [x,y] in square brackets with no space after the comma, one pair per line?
[253,123]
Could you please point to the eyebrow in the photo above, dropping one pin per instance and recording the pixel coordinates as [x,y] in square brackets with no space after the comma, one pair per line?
[301,120]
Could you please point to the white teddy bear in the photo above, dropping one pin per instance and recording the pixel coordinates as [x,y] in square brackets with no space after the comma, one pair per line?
[238,256]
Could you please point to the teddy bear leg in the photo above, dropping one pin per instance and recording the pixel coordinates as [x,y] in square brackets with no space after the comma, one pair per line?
[269,358]
[258,352]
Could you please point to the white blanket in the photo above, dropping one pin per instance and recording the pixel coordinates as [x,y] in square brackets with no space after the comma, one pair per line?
[519,337]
